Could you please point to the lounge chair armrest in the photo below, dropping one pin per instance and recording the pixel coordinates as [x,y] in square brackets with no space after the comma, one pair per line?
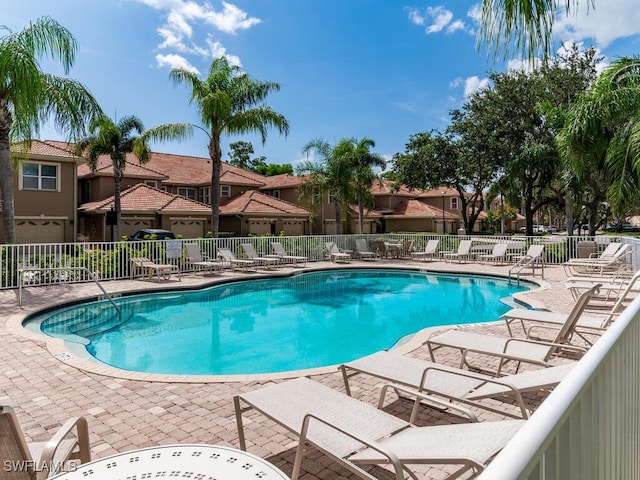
[426,397]
[79,424]
[393,458]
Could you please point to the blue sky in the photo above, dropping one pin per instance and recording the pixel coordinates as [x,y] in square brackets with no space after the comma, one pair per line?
[383,69]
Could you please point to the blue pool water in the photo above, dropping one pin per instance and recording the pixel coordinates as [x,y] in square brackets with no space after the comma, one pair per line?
[273,325]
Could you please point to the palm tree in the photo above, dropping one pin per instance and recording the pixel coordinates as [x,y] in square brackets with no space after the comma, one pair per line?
[358,154]
[229,102]
[602,132]
[29,96]
[527,24]
[116,140]
[330,173]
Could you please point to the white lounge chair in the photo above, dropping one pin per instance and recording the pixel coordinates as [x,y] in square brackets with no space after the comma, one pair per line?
[37,461]
[149,269]
[363,250]
[497,255]
[454,384]
[355,433]
[286,257]
[266,262]
[609,264]
[335,254]
[513,349]
[463,252]
[197,260]
[430,251]
[230,260]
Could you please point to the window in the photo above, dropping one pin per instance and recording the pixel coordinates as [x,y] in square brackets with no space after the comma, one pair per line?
[225,191]
[151,183]
[316,195]
[275,194]
[204,195]
[40,176]
[332,199]
[454,203]
[187,192]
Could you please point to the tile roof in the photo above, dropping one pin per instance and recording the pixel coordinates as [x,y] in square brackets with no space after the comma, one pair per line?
[48,149]
[285,180]
[143,198]
[104,167]
[387,187]
[418,209]
[437,192]
[252,201]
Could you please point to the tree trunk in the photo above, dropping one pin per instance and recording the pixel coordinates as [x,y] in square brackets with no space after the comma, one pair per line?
[568,211]
[338,217]
[117,205]
[6,175]
[360,216]
[216,166]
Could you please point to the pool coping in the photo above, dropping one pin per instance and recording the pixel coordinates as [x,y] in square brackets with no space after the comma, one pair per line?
[60,350]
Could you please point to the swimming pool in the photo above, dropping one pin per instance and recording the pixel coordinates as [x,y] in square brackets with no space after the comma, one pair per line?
[278,324]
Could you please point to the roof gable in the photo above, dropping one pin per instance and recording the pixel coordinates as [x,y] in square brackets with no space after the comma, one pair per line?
[252,201]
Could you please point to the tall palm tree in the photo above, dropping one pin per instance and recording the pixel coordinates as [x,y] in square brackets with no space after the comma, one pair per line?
[116,140]
[358,154]
[329,173]
[229,102]
[29,96]
[524,24]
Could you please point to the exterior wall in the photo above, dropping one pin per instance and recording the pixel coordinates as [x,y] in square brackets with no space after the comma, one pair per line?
[46,208]
[410,225]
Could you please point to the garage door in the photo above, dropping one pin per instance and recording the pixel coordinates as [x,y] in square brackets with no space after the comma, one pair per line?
[188,228]
[40,230]
[129,226]
[293,227]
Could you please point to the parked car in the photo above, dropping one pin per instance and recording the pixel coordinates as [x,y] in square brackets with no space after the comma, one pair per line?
[152,234]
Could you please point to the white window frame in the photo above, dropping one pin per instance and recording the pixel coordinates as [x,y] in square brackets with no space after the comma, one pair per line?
[40,177]
[454,203]
[190,192]
[205,193]
[225,191]
[331,199]
[275,194]
[151,183]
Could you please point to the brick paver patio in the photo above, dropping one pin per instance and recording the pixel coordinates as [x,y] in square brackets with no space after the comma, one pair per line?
[128,414]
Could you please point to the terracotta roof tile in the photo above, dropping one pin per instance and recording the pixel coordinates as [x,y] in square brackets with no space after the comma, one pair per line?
[285,180]
[141,197]
[386,187]
[104,167]
[47,149]
[417,208]
[252,201]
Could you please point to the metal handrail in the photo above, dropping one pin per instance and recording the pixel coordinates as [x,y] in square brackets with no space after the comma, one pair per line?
[526,261]
[22,271]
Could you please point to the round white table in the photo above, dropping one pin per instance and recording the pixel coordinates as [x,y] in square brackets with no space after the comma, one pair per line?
[202,462]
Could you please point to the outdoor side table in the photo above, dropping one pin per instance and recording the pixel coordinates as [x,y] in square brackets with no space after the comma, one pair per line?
[203,462]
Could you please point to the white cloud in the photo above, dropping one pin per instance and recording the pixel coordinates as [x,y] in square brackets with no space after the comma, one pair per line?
[456,82]
[175,61]
[217,51]
[473,84]
[436,19]
[604,23]
[178,31]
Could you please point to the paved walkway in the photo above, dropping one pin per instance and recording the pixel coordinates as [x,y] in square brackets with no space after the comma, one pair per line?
[125,414]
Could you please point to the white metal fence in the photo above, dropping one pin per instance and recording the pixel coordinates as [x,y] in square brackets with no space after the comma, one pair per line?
[110,260]
[589,427]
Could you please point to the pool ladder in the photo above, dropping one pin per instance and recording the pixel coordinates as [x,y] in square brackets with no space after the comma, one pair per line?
[22,271]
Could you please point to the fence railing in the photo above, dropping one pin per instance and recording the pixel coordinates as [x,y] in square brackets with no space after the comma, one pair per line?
[110,260]
[589,426]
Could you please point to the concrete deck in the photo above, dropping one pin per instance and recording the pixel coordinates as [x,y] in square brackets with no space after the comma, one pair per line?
[130,413]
